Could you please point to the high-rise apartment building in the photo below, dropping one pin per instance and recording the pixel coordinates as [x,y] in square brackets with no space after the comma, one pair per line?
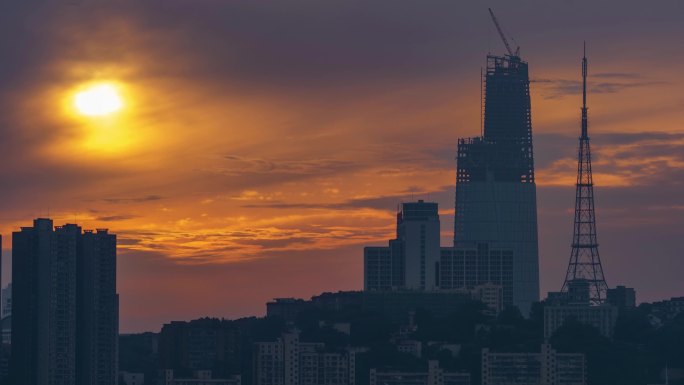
[495,186]
[97,309]
[411,261]
[65,309]
[418,228]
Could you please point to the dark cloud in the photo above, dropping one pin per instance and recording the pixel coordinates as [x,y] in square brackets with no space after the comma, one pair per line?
[146,198]
[388,203]
[627,146]
[618,75]
[557,88]
[238,166]
[115,218]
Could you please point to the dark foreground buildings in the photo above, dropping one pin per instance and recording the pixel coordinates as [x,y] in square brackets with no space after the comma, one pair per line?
[65,314]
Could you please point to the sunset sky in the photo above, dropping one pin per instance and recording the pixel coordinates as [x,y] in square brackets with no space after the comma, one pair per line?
[262,144]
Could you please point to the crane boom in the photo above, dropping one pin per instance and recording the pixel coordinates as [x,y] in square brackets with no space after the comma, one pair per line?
[503,36]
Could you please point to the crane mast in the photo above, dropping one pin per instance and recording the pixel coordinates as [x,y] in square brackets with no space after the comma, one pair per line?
[503,36]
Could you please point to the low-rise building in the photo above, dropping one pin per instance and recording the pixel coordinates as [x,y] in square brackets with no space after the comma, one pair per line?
[412,347]
[433,376]
[547,368]
[621,297]
[491,295]
[201,377]
[286,308]
[6,306]
[288,361]
[205,343]
[601,317]
[668,309]
[6,330]
[129,378]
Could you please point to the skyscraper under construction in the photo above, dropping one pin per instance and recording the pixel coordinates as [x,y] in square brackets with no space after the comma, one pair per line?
[495,188]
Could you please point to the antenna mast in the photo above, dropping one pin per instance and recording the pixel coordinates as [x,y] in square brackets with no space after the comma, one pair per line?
[585,263]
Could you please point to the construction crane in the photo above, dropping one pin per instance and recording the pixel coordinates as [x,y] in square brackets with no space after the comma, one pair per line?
[503,36]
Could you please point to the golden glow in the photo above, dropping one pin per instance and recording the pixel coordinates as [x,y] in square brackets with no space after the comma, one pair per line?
[98,100]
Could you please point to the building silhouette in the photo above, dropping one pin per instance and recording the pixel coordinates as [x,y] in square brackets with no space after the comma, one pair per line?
[621,297]
[547,367]
[202,344]
[199,377]
[289,361]
[433,376]
[97,309]
[65,308]
[411,261]
[7,300]
[414,261]
[603,318]
[495,187]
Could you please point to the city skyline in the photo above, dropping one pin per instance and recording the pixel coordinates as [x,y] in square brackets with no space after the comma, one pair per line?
[225,194]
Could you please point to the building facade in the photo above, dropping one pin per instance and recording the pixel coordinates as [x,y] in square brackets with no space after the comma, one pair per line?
[473,266]
[130,378]
[202,344]
[433,376]
[97,304]
[6,319]
[621,297]
[411,261]
[65,309]
[414,261]
[288,361]
[200,377]
[545,368]
[286,308]
[7,300]
[602,317]
[495,184]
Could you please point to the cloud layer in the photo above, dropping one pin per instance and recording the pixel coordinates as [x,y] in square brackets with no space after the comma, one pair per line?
[262,144]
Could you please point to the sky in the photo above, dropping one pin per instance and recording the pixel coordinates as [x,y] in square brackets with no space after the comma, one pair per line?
[262,144]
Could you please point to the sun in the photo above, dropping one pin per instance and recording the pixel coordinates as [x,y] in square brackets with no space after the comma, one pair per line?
[98,100]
